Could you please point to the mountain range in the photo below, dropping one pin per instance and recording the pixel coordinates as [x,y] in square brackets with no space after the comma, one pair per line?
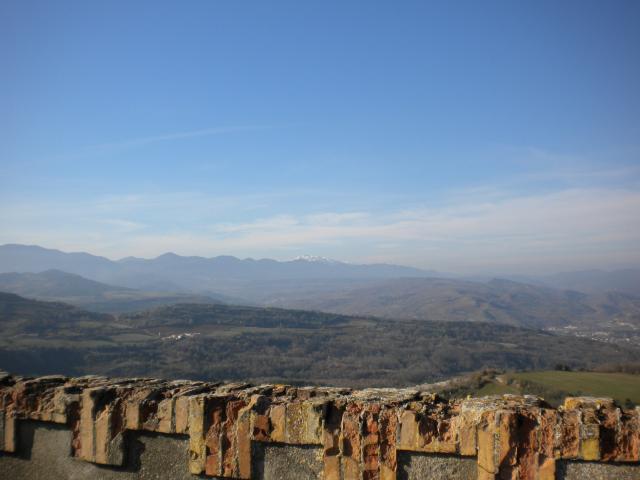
[56,285]
[314,283]
[171,272]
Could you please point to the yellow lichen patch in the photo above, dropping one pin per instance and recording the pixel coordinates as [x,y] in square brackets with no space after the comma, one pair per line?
[197,447]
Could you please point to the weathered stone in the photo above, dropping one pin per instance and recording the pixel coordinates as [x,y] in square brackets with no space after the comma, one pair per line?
[408,436]
[197,447]
[108,437]
[628,438]
[589,436]
[277,417]
[229,443]
[371,442]
[546,469]
[2,439]
[525,439]
[44,455]
[8,432]
[331,441]
[165,415]
[421,466]
[286,462]
[592,403]
[351,442]
[548,433]
[388,421]
[609,419]
[87,425]
[573,470]
[261,427]
[361,433]
[132,415]
[569,437]
[182,414]
[487,449]
[467,426]
[303,424]
[437,435]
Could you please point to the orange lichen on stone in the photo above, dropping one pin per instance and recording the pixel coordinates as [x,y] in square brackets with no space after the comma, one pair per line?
[351,442]
[360,432]
[331,441]
[388,423]
[628,439]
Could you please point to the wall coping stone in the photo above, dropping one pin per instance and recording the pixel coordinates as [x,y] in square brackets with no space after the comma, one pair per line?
[360,431]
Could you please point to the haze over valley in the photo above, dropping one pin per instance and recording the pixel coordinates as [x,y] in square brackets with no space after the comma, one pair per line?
[313,320]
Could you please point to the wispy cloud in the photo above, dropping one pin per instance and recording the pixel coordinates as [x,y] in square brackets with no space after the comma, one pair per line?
[570,228]
[126,144]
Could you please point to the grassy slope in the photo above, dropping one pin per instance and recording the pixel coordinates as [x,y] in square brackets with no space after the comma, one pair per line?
[620,386]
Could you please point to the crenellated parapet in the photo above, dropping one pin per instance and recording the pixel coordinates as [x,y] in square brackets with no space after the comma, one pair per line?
[361,432]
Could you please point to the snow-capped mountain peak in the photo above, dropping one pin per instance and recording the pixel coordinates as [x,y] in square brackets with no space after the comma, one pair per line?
[315,259]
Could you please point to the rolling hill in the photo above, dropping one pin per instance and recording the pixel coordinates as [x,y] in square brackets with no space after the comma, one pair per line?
[224,342]
[496,301]
[55,285]
[596,281]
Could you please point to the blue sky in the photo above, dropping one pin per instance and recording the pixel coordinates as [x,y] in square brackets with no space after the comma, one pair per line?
[492,136]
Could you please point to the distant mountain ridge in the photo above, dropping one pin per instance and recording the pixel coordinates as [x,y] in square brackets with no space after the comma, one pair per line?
[316,282]
[193,274]
[496,301]
[56,285]
[595,281]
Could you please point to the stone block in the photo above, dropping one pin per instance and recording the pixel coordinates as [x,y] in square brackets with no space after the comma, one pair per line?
[9,431]
[575,470]
[197,447]
[628,438]
[351,443]
[423,466]
[287,462]
[303,424]
[243,442]
[388,422]
[408,435]
[182,414]
[277,417]
[165,413]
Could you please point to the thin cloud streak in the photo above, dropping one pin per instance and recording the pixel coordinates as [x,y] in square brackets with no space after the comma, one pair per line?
[568,229]
[109,147]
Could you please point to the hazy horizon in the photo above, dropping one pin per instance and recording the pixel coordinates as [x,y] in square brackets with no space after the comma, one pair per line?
[483,273]
[493,138]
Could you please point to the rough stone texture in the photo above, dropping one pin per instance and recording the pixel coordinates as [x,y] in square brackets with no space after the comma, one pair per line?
[357,435]
[286,462]
[597,471]
[420,466]
[44,454]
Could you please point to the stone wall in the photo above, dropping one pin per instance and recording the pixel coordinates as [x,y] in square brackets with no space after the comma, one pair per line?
[57,427]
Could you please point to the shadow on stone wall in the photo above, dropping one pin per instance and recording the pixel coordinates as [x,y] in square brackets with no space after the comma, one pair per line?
[44,452]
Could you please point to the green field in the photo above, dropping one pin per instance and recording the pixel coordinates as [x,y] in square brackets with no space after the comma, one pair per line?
[555,385]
